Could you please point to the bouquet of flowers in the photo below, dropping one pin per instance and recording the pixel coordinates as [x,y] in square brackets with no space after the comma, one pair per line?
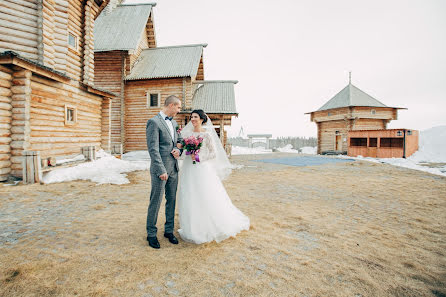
[192,146]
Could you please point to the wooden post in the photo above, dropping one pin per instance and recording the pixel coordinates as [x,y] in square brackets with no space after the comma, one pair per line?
[89,152]
[222,130]
[32,170]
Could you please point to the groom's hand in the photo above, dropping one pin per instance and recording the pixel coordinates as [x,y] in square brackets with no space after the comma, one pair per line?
[175,153]
[164,176]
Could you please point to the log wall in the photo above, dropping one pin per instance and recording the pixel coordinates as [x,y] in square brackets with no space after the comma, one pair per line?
[60,35]
[109,67]
[47,27]
[150,29]
[20,125]
[106,125]
[19,27]
[74,57]
[369,124]
[137,112]
[5,121]
[90,9]
[327,135]
[49,133]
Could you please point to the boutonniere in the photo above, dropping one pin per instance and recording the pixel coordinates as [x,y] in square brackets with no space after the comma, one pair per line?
[178,130]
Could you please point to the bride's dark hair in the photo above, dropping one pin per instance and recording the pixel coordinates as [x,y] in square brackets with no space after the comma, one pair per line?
[201,114]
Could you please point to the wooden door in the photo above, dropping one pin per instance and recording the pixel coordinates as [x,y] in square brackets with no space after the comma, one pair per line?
[338,142]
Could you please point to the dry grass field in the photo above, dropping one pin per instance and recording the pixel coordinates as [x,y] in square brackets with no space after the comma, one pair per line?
[348,229]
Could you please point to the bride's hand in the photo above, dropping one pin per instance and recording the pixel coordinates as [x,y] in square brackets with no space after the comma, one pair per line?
[192,156]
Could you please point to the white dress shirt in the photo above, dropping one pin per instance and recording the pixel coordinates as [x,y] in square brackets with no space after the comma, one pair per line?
[168,123]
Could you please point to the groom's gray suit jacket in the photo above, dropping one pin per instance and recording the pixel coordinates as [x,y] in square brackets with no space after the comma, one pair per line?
[160,145]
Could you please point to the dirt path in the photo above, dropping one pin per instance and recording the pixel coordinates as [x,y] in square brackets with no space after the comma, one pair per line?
[347,229]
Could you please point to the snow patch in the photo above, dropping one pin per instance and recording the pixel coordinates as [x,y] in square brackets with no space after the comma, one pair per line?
[105,170]
[239,150]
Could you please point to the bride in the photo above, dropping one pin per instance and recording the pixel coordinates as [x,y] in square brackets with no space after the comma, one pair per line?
[205,209]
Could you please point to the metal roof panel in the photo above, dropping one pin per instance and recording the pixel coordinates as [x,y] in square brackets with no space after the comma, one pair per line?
[215,97]
[122,28]
[166,62]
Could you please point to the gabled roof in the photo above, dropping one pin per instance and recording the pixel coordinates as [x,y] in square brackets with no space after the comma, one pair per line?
[122,28]
[215,96]
[167,62]
[351,96]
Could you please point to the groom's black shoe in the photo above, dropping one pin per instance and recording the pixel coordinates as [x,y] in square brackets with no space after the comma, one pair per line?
[153,242]
[171,238]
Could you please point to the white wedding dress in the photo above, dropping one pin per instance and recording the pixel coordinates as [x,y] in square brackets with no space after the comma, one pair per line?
[205,209]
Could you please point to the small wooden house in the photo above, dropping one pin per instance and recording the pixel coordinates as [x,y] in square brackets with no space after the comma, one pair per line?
[350,109]
[391,143]
[144,75]
[49,104]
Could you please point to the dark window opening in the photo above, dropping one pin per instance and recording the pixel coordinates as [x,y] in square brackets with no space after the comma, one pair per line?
[358,141]
[391,142]
[154,100]
[373,142]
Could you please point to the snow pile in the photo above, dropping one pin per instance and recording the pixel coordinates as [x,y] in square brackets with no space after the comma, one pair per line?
[136,156]
[309,150]
[105,170]
[432,144]
[240,150]
[74,159]
[287,149]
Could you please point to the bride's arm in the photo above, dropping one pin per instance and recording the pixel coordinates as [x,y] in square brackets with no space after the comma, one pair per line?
[209,152]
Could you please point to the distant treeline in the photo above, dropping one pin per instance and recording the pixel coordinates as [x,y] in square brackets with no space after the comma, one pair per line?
[296,142]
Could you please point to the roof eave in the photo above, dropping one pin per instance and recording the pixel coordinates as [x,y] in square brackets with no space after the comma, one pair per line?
[161,77]
[11,57]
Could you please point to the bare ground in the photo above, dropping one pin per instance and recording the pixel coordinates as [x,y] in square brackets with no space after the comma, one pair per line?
[348,229]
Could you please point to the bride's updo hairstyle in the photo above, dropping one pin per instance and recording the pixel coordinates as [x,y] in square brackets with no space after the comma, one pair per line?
[201,114]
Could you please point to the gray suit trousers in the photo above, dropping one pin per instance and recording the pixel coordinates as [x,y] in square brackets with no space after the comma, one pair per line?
[156,195]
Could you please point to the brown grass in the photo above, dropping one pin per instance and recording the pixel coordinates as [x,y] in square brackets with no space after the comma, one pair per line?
[352,229]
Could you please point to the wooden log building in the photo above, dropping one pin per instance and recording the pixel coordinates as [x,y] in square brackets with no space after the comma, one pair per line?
[48,101]
[144,75]
[77,74]
[390,143]
[350,109]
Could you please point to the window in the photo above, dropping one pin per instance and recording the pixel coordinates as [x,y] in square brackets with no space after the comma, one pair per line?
[399,133]
[72,40]
[153,100]
[409,132]
[391,142]
[373,142]
[373,111]
[337,132]
[70,115]
[328,113]
[358,141]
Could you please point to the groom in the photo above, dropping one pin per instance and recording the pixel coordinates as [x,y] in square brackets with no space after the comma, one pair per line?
[162,137]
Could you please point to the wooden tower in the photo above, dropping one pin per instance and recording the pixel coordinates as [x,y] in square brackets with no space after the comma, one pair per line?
[350,109]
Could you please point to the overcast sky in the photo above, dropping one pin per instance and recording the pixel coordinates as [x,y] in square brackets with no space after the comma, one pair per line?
[292,56]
